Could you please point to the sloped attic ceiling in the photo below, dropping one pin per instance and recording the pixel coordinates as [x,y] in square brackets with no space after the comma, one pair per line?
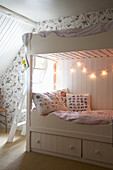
[11,31]
[39,10]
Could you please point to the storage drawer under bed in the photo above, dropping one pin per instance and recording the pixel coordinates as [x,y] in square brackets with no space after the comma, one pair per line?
[98,151]
[56,144]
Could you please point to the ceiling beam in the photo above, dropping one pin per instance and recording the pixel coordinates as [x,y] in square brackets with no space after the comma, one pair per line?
[17,16]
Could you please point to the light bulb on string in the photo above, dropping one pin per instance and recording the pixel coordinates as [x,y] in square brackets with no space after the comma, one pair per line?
[92,75]
[72,70]
[84,70]
[79,63]
[104,73]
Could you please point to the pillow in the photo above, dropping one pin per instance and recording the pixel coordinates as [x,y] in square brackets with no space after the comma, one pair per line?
[62,96]
[47,102]
[78,102]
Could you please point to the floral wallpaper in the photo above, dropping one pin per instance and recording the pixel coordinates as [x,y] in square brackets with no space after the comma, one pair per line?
[13,80]
[77,21]
[11,86]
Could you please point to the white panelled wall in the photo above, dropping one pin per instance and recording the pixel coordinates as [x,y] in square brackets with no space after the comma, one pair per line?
[11,31]
[101,88]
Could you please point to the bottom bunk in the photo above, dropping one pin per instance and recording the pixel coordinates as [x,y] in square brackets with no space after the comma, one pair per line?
[82,142]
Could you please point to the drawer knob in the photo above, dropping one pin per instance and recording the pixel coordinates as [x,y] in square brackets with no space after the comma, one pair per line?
[70,147]
[97,152]
[37,141]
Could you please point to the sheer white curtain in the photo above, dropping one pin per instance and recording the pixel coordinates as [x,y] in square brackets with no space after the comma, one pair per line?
[43,79]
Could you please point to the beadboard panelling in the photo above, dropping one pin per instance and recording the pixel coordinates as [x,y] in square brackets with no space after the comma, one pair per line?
[101,88]
[11,31]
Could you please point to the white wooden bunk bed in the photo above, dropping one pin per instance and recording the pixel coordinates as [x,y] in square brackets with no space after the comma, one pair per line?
[53,136]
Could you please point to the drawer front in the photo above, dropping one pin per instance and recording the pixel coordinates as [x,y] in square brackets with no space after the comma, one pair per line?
[98,151]
[57,144]
[41,141]
[72,146]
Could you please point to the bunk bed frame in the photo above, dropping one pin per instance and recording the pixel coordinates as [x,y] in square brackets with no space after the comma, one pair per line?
[53,136]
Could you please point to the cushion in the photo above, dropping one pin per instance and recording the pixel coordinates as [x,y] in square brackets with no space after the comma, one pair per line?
[78,102]
[47,102]
[62,96]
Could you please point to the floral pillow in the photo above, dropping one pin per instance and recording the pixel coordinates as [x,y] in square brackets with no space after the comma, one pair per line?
[47,102]
[78,102]
[62,96]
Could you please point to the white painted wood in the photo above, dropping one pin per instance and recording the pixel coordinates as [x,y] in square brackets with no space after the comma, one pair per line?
[11,32]
[48,142]
[37,140]
[101,88]
[79,83]
[12,133]
[59,144]
[16,122]
[104,88]
[54,149]
[53,125]
[101,152]
[88,85]
[23,133]
[69,75]
[17,16]
[65,144]
[57,134]
[43,141]
[110,84]
[93,82]
[83,78]
[33,140]
[74,147]
[54,43]
[98,86]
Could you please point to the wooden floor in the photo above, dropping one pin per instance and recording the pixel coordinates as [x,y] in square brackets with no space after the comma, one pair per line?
[14,157]
[11,154]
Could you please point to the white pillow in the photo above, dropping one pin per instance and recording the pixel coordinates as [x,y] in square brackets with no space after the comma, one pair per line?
[47,102]
[78,102]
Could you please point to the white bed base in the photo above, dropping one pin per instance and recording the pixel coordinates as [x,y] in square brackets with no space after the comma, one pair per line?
[86,143]
[50,135]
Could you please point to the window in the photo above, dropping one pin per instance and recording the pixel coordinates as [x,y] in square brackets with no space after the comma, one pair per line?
[43,75]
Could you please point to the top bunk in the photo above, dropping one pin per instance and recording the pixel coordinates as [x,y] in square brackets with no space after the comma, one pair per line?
[56,44]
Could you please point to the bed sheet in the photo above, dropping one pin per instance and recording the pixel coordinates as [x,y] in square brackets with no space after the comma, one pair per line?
[87,117]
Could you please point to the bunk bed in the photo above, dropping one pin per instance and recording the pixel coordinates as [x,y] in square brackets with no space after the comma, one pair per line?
[54,136]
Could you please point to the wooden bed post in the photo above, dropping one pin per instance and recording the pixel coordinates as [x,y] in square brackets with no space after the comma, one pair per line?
[29,103]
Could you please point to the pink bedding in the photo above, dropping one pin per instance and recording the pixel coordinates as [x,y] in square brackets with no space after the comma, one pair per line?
[87,117]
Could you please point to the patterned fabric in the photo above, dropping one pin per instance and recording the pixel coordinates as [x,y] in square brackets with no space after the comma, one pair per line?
[76,21]
[62,96]
[96,117]
[12,83]
[47,102]
[78,102]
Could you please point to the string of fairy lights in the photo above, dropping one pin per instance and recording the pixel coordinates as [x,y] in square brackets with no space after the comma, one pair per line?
[78,63]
